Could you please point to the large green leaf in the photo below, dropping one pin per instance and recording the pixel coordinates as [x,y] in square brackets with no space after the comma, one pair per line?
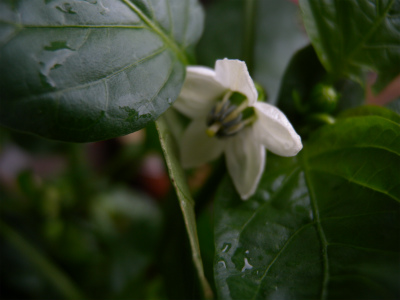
[353,36]
[277,34]
[322,225]
[90,70]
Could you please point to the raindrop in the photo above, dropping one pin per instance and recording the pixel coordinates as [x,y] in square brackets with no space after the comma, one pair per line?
[105,10]
[222,264]
[226,247]
[247,265]
[66,8]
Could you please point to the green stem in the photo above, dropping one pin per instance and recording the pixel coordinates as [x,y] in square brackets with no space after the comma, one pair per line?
[249,33]
[48,269]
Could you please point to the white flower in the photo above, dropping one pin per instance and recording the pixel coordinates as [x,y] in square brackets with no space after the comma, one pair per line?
[226,118]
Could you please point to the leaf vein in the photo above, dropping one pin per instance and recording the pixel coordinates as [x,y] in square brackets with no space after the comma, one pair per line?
[167,39]
[332,150]
[359,183]
[88,84]
[363,248]
[289,240]
[371,30]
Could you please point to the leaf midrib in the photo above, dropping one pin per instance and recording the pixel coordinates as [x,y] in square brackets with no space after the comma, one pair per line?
[171,43]
[150,24]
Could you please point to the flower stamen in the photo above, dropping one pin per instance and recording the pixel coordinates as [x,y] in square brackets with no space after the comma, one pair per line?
[229,116]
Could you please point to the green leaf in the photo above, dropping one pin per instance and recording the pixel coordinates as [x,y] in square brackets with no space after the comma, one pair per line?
[277,35]
[352,36]
[90,70]
[370,110]
[322,225]
[186,201]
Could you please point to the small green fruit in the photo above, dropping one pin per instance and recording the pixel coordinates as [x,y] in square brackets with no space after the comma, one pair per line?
[324,98]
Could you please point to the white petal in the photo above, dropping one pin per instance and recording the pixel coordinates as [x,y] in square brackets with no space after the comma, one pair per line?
[275,132]
[233,74]
[245,160]
[199,92]
[197,147]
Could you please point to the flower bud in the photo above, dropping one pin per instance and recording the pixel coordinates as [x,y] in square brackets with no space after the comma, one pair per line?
[324,98]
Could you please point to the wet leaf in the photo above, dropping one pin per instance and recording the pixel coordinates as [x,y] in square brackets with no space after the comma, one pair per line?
[322,225]
[352,36]
[91,70]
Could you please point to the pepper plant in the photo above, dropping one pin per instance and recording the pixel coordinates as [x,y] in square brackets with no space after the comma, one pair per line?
[278,123]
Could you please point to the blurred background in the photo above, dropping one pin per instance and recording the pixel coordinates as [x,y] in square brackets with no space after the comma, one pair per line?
[93,221]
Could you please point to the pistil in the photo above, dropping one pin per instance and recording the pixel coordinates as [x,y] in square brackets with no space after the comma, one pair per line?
[213,129]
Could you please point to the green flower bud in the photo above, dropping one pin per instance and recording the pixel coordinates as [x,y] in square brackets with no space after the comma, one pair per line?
[324,98]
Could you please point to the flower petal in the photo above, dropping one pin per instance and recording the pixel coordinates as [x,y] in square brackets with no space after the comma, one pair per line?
[197,147]
[275,132]
[199,92]
[245,160]
[233,74]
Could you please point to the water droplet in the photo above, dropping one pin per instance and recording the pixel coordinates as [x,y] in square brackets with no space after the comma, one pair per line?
[66,8]
[247,265]
[221,264]
[50,60]
[57,45]
[105,10]
[226,247]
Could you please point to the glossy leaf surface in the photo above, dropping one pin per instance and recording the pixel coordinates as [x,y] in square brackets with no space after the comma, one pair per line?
[322,225]
[352,36]
[91,70]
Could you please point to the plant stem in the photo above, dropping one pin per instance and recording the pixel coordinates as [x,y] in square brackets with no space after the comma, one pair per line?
[249,33]
[48,269]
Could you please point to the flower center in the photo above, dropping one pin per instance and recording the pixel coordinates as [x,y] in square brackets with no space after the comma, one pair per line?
[230,115]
